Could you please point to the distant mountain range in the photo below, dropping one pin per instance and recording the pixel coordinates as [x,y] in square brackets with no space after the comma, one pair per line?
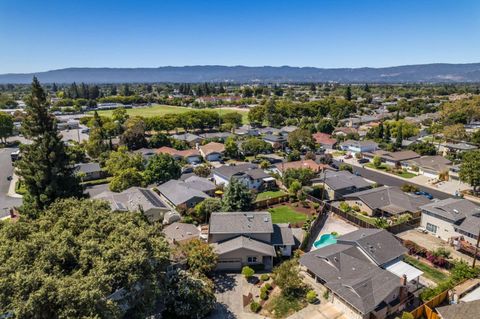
[422,73]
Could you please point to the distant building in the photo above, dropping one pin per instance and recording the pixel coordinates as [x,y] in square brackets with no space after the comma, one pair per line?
[248,174]
[340,183]
[354,146]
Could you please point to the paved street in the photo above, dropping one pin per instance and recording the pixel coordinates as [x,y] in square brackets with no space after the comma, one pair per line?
[389,180]
[5,171]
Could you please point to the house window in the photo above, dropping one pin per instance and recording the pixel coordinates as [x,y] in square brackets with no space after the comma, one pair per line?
[432,228]
[251,260]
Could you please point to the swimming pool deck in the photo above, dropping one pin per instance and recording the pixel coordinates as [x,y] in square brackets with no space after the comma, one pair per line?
[335,224]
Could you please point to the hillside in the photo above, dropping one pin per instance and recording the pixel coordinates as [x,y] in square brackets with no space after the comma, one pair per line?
[425,73]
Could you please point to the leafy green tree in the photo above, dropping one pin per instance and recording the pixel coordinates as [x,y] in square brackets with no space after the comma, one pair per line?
[162,168]
[125,179]
[377,161]
[423,148]
[44,167]
[231,148]
[202,170]
[233,118]
[123,159]
[237,197]
[287,277]
[255,146]
[295,186]
[294,156]
[159,140]
[470,169]
[120,115]
[96,140]
[205,208]
[247,272]
[348,93]
[455,132]
[399,137]
[134,135]
[201,257]
[387,136]
[256,115]
[189,296]
[66,263]
[6,126]
[302,175]
[300,138]
[326,126]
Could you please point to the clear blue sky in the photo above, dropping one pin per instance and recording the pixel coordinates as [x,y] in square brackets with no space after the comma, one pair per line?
[40,35]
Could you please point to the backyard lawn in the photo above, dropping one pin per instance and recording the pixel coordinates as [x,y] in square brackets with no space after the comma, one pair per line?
[286,214]
[157,109]
[269,195]
[428,271]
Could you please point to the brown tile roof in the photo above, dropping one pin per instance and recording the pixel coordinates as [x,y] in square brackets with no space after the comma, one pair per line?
[301,164]
[323,138]
[174,152]
[212,147]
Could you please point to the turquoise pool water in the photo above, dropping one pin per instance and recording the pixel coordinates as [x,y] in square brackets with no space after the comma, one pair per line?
[325,240]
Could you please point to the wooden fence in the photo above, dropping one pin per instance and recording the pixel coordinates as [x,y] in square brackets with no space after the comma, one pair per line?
[271,201]
[426,310]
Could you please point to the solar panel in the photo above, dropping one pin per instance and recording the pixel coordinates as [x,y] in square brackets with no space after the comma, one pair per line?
[152,198]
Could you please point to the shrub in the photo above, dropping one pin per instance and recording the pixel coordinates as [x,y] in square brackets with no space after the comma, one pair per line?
[255,306]
[356,208]
[407,315]
[364,213]
[263,289]
[248,272]
[344,207]
[334,233]
[268,286]
[316,205]
[264,277]
[264,295]
[326,294]
[377,161]
[311,296]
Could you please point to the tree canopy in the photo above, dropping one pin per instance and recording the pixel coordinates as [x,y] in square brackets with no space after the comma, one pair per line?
[237,197]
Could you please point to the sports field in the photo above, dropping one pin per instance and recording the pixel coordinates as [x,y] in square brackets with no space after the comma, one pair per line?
[158,110]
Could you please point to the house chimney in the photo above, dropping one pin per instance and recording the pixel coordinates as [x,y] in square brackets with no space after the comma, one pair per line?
[403,280]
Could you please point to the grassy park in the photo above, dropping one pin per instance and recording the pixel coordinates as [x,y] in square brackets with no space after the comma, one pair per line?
[159,110]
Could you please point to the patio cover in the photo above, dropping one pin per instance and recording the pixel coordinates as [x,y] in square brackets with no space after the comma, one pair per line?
[401,268]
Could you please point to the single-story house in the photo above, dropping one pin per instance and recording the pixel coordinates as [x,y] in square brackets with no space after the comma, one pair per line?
[452,217]
[190,138]
[393,158]
[363,272]
[137,199]
[249,174]
[430,166]
[246,130]
[344,131]
[201,183]
[247,238]
[180,194]
[180,233]
[212,152]
[386,201]
[147,153]
[310,164]
[325,140]
[340,183]
[191,156]
[354,146]
[448,148]
[219,136]
[89,171]
[277,141]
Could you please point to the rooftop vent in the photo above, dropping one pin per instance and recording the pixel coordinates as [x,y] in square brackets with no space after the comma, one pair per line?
[265,219]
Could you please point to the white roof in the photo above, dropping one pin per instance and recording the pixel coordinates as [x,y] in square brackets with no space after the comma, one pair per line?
[472,296]
[268,179]
[401,268]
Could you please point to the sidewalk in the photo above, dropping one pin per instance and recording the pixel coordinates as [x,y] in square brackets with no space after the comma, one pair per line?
[11,188]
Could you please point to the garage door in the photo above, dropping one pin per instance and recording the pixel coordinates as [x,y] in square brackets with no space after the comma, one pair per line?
[232,264]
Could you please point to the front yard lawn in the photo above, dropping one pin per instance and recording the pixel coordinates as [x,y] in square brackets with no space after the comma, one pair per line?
[286,214]
[269,195]
[428,272]
[384,167]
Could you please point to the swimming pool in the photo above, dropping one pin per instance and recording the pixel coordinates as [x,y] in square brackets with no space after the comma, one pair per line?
[325,240]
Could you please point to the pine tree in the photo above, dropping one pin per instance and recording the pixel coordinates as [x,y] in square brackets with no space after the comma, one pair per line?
[44,167]
[380,131]
[387,135]
[399,138]
[348,93]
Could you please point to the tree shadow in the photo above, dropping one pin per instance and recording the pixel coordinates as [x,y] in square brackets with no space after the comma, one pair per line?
[224,282]
[221,311]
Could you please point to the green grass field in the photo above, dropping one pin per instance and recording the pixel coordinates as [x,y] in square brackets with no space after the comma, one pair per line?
[159,110]
[285,214]
[269,194]
[428,271]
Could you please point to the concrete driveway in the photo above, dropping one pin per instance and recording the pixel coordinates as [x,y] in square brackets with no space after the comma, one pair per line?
[228,290]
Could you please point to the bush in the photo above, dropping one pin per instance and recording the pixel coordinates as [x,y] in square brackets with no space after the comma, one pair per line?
[326,294]
[248,272]
[364,213]
[264,277]
[407,315]
[255,306]
[311,296]
[334,233]
[268,286]
[356,208]
[264,295]
[409,188]
[344,207]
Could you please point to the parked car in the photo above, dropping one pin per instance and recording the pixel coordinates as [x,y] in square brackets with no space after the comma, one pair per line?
[363,161]
[425,194]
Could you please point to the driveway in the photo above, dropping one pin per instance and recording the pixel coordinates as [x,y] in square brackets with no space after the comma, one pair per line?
[228,290]
[6,201]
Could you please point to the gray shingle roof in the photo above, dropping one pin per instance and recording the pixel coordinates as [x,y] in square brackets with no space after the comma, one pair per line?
[349,274]
[240,223]
[378,244]
[282,235]
[251,170]
[436,163]
[354,143]
[179,192]
[132,199]
[242,242]
[180,231]
[390,199]
[200,183]
[88,167]
[187,137]
[464,310]
[342,179]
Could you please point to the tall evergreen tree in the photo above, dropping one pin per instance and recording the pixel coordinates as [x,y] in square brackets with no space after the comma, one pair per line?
[387,135]
[44,167]
[348,93]
[380,131]
[399,137]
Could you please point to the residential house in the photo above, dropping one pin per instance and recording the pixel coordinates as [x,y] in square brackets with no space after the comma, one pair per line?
[247,238]
[201,183]
[430,166]
[277,141]
[463,310]
[181,194]
[219,136]
[246,130]
[397,159]
[191,156]
[268,131]
[212,152]
[340,183]
[452,217]
[288,129]
[249,174]
[189,138]
[386,201]
[310,164]
[147,153]
[354,146]
[324,140]
[137,199]
[456,148]
[344,131]
[363,272]
[89,171]
[180,233]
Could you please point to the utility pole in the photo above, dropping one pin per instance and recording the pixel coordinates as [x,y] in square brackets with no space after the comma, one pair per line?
[476,249]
